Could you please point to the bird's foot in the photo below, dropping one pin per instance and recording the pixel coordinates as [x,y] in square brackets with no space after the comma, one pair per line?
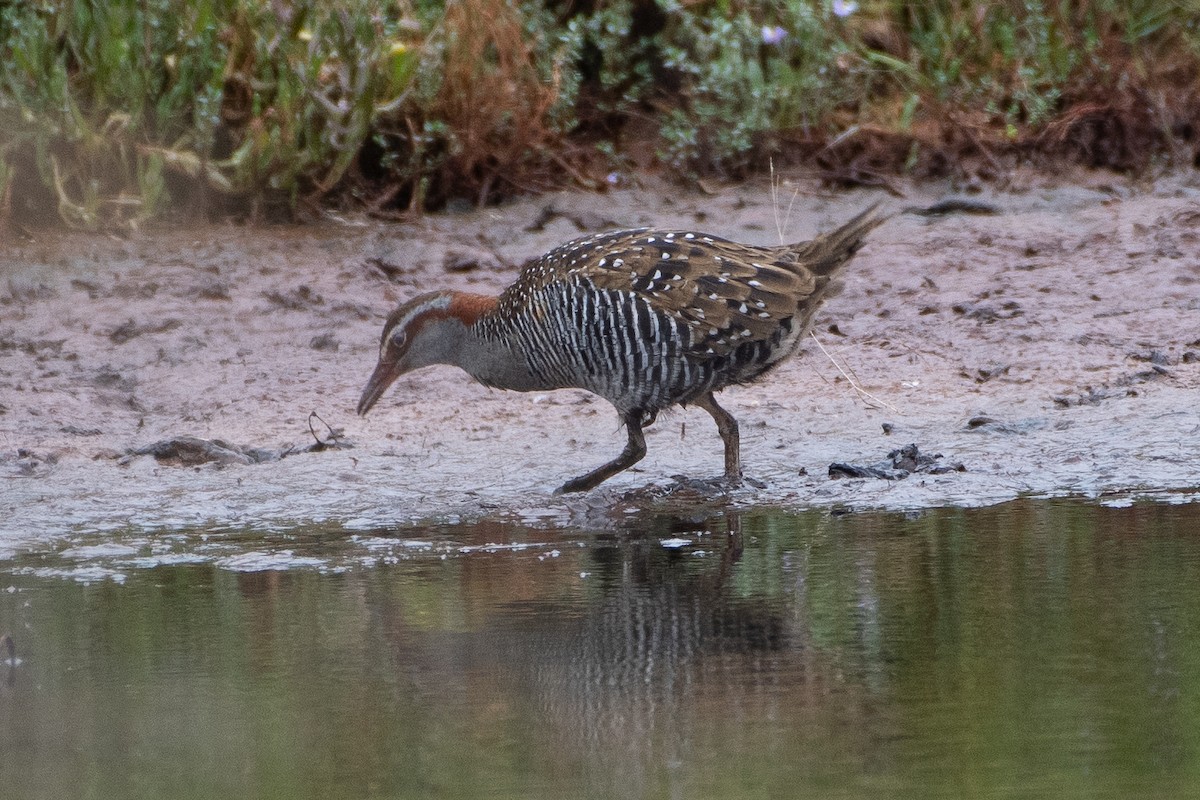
[573,485]
[582,484]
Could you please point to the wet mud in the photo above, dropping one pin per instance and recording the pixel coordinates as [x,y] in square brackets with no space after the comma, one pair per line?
[1051,345]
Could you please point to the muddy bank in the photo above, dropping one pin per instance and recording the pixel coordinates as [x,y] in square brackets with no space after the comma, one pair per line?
[1051,348]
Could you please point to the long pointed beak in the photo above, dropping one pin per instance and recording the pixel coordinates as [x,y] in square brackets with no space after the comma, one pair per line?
[380,380]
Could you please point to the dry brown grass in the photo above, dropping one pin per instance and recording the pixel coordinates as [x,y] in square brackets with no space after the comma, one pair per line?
[494,99]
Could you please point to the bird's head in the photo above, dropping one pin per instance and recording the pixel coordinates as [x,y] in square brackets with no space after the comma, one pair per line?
[426,330]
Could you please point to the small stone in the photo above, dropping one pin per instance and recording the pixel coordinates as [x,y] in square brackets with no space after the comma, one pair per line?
[326,341]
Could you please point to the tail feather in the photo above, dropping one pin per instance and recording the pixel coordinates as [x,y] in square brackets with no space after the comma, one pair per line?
[824,254]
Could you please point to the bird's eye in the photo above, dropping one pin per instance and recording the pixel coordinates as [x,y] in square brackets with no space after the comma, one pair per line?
[399,338]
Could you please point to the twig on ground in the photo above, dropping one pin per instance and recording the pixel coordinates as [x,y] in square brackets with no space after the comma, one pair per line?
[867,397]
[334,440]
[780,228]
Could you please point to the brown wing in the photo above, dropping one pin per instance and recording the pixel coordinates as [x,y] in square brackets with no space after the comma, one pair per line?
[727,293]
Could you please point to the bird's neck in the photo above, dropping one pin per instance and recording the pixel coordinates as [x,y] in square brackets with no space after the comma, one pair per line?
[484,350]
[470,308]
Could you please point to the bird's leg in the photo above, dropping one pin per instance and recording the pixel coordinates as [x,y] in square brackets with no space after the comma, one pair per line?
[728,428]
[635,450]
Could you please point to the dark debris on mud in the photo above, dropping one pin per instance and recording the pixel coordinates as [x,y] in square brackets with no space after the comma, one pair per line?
[25,463]
[192,451]
[954,205]
[988,424]
[898,465]
[987,312]
[1126,386]
[301,298]
[130,329]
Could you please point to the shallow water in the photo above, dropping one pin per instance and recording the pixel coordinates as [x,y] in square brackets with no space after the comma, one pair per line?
[1032,649]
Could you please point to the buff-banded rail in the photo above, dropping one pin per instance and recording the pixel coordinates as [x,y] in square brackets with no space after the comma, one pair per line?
[645,318]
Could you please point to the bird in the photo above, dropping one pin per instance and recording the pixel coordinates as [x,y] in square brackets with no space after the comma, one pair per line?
[645,318]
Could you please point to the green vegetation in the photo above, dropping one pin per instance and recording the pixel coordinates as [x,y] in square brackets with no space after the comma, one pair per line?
[111,113]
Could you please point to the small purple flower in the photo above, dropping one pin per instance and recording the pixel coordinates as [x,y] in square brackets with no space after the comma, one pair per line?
[844,8]
[773,35]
